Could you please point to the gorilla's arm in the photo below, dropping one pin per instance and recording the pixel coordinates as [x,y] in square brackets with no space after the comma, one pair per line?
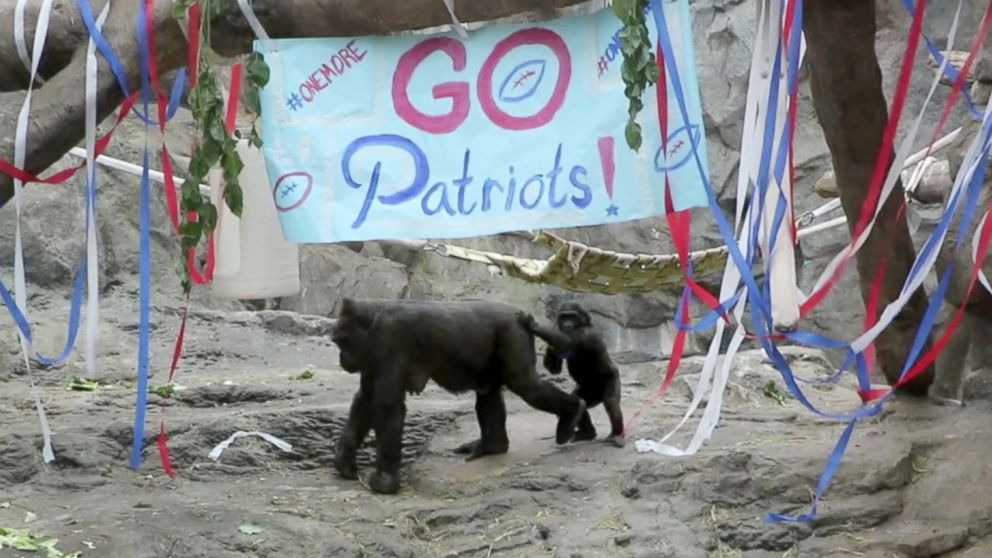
[560,342]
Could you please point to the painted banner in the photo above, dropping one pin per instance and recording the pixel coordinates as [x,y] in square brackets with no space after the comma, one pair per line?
[518,127]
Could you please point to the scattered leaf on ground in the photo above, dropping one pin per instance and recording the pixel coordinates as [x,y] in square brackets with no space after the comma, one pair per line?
[23,539]
[250,529]
[771,390]
[305,375]
[166,391]
[79,383]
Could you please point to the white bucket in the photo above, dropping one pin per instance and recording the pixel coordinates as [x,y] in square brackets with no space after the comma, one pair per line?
[254,261]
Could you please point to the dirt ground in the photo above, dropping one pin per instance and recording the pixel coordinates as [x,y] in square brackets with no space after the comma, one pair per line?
[915,481]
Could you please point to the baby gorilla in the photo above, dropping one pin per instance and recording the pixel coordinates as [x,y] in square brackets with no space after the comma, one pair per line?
[589,364]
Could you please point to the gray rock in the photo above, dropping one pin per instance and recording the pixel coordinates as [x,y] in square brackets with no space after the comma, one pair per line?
[330,273]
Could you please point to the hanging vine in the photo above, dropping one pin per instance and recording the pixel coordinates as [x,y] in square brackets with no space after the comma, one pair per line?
[639,70]
[213,145]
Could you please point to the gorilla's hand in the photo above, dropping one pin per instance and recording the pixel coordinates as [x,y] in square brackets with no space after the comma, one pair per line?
[527,320]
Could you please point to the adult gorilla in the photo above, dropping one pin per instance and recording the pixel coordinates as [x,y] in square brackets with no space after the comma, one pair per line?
[398,345]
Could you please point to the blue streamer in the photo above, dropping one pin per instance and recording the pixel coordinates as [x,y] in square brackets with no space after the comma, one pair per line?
[974,188]
[950,71]
[144,258]
[76,300]
[144,274]
[760,309]
[110,56]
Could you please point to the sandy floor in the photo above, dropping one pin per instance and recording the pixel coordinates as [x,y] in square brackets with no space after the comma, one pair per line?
[915,482]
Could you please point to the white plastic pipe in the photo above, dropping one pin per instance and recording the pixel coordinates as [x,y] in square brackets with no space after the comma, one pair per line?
[913,159]
[131,168]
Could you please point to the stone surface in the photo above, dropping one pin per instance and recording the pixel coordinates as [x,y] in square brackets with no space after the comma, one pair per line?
[897,491]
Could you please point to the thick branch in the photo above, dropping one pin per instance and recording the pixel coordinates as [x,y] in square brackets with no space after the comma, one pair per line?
[230,33]
[328,18]
[850,105]
[58,111]
[65,33]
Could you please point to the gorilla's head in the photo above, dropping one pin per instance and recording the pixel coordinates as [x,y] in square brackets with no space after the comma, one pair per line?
[351,334]
[572,317]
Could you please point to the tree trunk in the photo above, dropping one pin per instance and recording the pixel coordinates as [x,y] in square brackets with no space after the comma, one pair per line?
[58,111]
[850,105]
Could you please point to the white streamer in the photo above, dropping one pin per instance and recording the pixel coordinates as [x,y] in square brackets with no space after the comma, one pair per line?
[20,285]
[895,170]
[92,255]
[256,25]
[713,381]
[219,449]
[748,167]
[459,28]
[964,174]
[19,39]
[975,241]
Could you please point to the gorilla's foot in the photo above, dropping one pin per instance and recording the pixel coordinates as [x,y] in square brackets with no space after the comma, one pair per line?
[477,448]
[567,423]
[345,467]
[616,439]
[384,482]
[585,434]
[488,448]
[468,447]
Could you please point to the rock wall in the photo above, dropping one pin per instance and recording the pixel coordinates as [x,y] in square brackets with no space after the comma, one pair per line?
[638,327]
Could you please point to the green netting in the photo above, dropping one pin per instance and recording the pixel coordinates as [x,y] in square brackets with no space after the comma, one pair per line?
[577,267]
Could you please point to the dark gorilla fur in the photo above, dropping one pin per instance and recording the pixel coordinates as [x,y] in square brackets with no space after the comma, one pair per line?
[589,364]
[399,345]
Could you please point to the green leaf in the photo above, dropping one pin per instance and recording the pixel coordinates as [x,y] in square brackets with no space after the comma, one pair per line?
[633,135]
[252,101]
[772,390]
[624,8]
[234,198]
[254,139]
[305,375]
[232,164]
[208,217]
[191,229]
[179,9]
[258,70]
[79,383]
[210,151]
[217,131]
[165,392]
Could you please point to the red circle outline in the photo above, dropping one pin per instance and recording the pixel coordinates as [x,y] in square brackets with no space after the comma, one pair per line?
[304,197]
[531,36]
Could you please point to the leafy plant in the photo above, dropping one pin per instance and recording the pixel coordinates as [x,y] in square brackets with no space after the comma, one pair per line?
[639,70]
[80,383]
[771,390]
[213,144]
[26,541]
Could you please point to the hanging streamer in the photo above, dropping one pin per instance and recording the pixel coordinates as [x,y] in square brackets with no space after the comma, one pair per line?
[731,273]
[92,256]
[20,40]
[20,285]
[456,23]
[144,250]
[859,359]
